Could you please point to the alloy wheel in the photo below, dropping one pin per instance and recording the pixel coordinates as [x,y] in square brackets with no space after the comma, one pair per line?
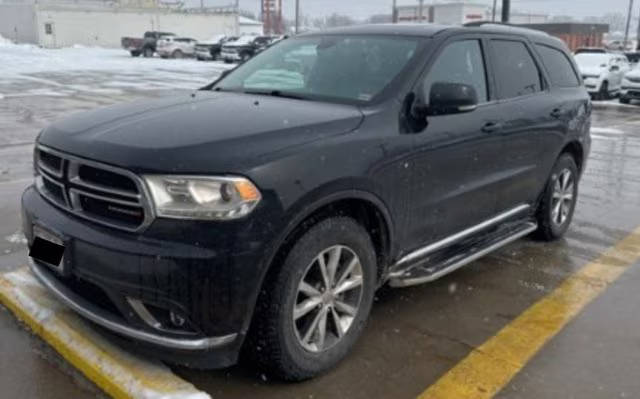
[563,197]
[328,298]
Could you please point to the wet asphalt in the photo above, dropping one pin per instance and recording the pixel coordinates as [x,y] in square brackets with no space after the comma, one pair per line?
[414,334]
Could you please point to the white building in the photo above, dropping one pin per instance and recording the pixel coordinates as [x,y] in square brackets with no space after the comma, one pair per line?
[461,12]
[60,23]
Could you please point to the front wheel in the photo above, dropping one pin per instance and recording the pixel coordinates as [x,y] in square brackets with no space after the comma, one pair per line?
[558,203]
[147,52]
[178,55]
[624,100]
[311,312]
[603,94]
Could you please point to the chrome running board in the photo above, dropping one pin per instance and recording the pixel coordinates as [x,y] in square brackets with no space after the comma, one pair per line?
[421,275]
[417,254]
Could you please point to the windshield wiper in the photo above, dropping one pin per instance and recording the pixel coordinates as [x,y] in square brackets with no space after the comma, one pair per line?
[276,93]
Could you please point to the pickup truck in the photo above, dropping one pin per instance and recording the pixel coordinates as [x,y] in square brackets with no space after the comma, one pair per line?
[145,45]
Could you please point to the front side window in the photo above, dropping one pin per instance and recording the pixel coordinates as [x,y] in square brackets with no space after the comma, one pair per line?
[460,62]
[344,68]
[515,70]
[558,66]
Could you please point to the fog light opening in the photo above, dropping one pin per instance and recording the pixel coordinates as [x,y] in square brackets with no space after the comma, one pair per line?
[177,320]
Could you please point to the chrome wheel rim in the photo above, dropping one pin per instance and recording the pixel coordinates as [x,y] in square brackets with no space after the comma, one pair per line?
[328,298]
[563,197]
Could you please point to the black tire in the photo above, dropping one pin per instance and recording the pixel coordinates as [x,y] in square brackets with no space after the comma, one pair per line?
[274,343]
[147,52]
[244,57]
[135,53]
[178,55]
[624,100]
[550,227]
[603,94]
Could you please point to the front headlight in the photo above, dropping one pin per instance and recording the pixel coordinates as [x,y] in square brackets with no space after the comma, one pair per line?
[199,197]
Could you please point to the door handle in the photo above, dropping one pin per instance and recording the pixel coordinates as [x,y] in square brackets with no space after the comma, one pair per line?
[557,113]
[492,127]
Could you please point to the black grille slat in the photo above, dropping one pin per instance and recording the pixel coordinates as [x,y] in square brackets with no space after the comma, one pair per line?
[105,178]
[116,213]
[101,193]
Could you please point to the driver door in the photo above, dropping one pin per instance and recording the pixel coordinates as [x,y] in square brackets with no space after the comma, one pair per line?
[456,157]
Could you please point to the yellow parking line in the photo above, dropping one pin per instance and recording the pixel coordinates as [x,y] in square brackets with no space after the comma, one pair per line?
[117,372]
[488,368]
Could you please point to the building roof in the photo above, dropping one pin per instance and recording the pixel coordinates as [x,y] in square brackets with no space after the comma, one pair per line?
[248,21]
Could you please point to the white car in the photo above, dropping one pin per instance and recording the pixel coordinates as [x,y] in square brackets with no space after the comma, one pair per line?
[176,47]
[602,72]
[631,85]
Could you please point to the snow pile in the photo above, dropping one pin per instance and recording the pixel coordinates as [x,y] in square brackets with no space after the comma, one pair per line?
[28,70]
[5,42]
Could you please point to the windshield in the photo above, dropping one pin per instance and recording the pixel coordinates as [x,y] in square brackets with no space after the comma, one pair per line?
[591,60]
[354,68]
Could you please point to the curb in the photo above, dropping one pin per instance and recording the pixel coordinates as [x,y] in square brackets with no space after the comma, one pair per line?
[119,373]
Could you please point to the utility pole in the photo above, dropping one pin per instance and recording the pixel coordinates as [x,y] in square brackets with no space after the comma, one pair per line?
[394,12]
[506,11]
[420,11]
[626,31]
[493,13]
[638,37]
[297,16]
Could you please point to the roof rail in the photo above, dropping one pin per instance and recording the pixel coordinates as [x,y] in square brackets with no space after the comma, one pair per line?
[503,25]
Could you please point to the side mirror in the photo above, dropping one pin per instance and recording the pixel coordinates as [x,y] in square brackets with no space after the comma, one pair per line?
[451,98]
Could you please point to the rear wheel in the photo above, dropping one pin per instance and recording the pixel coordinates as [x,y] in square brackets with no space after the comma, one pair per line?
[313,310]
[558,203]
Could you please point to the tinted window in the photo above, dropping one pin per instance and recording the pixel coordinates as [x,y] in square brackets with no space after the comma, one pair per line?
[460,62]
[516,72]
[558,66]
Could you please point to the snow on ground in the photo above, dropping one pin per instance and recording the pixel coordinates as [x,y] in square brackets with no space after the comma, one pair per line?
[28,70]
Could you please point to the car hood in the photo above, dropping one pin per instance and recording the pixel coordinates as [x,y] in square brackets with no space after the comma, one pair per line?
[198,133]
[592,71]
[635,73]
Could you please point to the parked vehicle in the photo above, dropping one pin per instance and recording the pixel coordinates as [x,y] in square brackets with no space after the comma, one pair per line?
[602,73]
[633,56]
[244,48]
[145,45]
[631,85]
[264,210]
[210,49]
[176,47]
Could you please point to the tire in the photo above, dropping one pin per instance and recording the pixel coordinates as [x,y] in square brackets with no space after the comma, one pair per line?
[135,53]
[603,94]
[178,55]
[280,342]
[244,57]
[147,52]
[625,100]
[553,219]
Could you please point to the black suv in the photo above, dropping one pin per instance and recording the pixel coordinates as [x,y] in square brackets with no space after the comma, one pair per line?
[263,211]
[244,48]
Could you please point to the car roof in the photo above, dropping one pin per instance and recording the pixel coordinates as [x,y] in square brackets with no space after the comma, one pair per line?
[432,30]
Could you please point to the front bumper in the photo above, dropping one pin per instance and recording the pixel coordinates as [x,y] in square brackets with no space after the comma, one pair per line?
[230,56]
[593,85]
[204,54]
[630,90]
[206,274]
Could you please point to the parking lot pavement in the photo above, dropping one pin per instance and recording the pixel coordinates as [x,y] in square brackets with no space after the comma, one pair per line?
[417,334]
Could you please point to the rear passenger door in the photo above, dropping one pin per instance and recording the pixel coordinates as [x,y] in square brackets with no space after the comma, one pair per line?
[534,122]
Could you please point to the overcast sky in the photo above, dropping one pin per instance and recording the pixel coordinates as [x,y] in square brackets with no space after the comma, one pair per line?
[363,8]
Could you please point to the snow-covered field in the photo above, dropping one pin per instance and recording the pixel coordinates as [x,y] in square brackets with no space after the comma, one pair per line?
[28,70]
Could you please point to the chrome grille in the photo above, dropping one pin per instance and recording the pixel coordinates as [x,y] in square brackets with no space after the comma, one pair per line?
[101,193]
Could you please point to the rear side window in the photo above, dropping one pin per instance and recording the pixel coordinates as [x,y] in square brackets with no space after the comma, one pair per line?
[558,66]
[515,70]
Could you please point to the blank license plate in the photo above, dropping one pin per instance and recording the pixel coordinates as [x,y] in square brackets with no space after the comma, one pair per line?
[48,248]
